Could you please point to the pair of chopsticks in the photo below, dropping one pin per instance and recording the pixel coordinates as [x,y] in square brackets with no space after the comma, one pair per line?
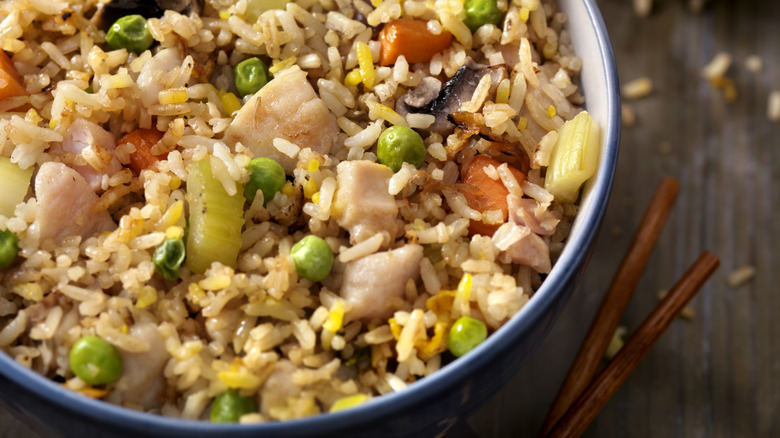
[580,398]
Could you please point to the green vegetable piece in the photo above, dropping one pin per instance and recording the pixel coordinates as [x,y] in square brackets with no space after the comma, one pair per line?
[95,361]
[229,406]
[313,258]
[480,12]
[254,8]
[265,175]
[129,32]
[215,220]
[398,145]
[9,248]
[251,75]
[574,159]
[168,257]
[466,334]
[15,182]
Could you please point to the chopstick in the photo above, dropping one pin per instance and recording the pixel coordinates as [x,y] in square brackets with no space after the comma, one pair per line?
[615,301]
[588,405]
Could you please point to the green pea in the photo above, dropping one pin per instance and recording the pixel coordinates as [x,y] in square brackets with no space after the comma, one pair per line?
[168,257]
[251,75]
[466,334]
[313,258]
[398,145]
[229,406]
[9,248]
[129,32]
[265,175]
[95,361]
[479,12]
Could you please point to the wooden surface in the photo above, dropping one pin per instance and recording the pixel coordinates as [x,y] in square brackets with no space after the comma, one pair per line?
[719,374]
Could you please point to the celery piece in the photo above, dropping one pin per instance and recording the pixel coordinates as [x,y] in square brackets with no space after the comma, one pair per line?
[255,8]
[574,158]
[15,182]
[216,219]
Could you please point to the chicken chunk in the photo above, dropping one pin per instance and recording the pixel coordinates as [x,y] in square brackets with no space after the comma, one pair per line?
[287,107]
[142,380]
[151,79]
[369,283]
[65,202]
[529,249]
[96,145]
[528,212]
[363,204]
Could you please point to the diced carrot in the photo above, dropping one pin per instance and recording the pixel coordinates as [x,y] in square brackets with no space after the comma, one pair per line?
[143,140]
[490,194]
[411,38]
[11,84]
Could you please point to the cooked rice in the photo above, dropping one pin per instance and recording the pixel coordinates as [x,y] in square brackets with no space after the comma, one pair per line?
[257,325]
[740,276]
[773,106]
[717,67]
[637,88]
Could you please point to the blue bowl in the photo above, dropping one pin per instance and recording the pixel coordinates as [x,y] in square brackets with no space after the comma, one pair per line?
[427,407]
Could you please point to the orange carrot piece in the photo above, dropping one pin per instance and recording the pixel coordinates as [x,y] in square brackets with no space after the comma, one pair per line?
[11,84]
[411,38]
[490,194]
[143,140]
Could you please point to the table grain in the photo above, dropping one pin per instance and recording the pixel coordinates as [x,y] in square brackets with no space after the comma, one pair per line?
[717,375]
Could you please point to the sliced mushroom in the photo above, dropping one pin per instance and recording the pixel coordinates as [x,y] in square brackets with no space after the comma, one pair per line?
[108,13]
[458,89]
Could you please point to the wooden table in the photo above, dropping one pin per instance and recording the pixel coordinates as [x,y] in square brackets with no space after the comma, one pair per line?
[717,375]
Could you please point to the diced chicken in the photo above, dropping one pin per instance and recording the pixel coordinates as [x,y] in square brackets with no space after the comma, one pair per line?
[372,281]
[528,212]
[65,202]
[142,381]
[530,250]
[96,145]
[363,204]
[279,387]
[151,78]
[288,108]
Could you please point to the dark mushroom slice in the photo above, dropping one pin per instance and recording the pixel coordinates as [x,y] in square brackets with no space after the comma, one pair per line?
[458,89]
[108,13]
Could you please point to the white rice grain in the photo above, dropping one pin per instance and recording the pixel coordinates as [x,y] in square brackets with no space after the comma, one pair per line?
[773,106]
[717,67]
[286,147]
[637,89]
[362,249]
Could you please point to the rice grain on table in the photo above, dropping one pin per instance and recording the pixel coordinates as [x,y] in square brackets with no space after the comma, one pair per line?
[773,106]
[637,88]
[740,276]
[717,67]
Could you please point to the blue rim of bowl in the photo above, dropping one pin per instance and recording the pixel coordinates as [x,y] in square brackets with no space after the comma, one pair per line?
[440,382]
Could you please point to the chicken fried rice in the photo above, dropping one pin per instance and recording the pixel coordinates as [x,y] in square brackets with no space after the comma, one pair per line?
[260,210]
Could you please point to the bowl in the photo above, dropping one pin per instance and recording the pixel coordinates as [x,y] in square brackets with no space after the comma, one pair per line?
[430,406]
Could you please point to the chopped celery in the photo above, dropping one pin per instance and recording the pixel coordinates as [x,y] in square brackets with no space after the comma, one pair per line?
[574,158]
[255,8]
[216,219]
[15,182]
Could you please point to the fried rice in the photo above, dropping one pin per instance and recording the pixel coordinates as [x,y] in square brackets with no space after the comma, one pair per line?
[408,261]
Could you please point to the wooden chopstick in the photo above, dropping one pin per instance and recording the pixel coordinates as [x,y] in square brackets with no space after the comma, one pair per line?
[615,301]
[588,405]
